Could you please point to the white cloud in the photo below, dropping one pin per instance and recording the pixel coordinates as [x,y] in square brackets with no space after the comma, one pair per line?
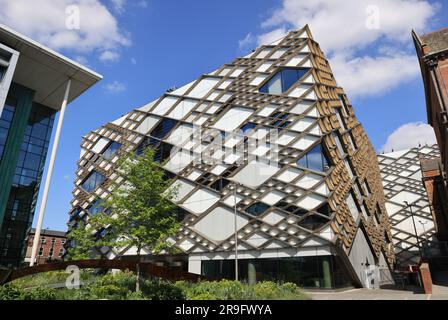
[119,5]
[115,87]
[345,27]
[82,60]
[409,135]
[271,36]
[55,23]
[343,24]
[246,42]
[368,76]
[109,56]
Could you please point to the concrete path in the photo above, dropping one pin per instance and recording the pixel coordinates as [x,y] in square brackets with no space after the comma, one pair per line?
[439,293]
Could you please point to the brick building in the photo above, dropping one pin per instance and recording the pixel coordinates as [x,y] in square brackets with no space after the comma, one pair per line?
[51,246]
[432,51]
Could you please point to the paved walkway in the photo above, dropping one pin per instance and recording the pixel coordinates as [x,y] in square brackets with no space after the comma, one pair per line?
[439,293]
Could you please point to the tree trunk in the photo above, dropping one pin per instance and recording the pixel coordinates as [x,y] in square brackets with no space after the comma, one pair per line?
[137,272]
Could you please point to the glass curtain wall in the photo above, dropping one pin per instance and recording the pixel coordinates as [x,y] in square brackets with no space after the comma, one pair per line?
[27,177]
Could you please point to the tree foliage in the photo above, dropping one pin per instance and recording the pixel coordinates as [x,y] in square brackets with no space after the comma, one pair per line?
[140,213]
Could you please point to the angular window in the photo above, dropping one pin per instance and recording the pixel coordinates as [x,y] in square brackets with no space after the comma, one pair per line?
[162,152]
[97,207]
[377,215]
[219,184]
[111,150]
[2,72]
[75,213]
[352,141]
[283,80]
[163,128]
[314,159]
[93,181]
[291,208]
[344,106]
[349,168]
[143,145]
[247,127]
[352,206]
[340,119]
[158,134]
[325,210]
[313,222]
[257,208]
[339,144]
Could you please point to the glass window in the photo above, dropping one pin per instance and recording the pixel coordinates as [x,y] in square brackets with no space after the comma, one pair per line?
[344,105]
[377,214]
[340,119]
[163,128]
[313,222]
[219,184]
[97,207]
[5,122]
[93,181]
[337,139]
[349,168]
[147,141]
[2,72]
[312,272]
[273,86]
[111,150]
[352,206]
[314,159]
[257,208]
[158,134]
[162,152]
[283,80]
[248,126]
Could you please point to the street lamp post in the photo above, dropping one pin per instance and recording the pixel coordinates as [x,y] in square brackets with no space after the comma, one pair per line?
[236,234]
[423,225]
[409,205]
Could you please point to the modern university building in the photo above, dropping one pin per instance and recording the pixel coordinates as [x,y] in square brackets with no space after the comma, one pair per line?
[33,82]
[268,145]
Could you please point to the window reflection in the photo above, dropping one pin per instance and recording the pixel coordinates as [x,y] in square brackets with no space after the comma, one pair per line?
[314,159]
[283,80]
[308,272]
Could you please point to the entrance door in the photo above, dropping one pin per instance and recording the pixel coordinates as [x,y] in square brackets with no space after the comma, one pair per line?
[372,276]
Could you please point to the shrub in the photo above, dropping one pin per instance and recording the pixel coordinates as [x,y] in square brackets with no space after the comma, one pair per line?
[266,290]
[15,292]
[234,290]
[39,294]
[10,292]
[161,290]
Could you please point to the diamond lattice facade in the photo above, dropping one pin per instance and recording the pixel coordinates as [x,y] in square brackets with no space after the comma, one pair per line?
[309,198]
[411,217]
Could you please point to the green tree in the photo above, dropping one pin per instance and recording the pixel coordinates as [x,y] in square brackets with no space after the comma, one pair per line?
[140,213]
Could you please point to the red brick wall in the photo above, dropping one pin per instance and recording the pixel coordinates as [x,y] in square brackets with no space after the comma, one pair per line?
[433,183]
[47,247]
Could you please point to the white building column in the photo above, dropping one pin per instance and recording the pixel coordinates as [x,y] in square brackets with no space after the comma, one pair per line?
[54,150]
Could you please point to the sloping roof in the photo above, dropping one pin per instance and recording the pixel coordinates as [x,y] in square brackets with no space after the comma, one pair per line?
[436,41]
[46,71]
[48,232]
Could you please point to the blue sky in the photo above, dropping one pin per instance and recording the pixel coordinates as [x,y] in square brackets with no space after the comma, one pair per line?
[143,48]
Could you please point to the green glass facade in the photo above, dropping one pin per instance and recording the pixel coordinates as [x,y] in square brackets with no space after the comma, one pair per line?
[25,131]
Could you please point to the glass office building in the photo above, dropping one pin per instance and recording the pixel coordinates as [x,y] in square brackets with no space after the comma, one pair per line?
[30,163]
[32,83]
